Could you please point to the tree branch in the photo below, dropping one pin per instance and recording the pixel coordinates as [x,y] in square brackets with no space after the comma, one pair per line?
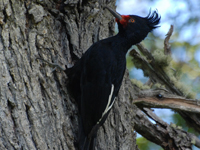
[154,70]
[167,46]
[163,99]
[167,136]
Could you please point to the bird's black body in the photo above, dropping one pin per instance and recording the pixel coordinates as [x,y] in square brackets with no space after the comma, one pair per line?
[96,78]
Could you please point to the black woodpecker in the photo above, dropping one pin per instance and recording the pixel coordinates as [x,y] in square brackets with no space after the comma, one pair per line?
[95,79]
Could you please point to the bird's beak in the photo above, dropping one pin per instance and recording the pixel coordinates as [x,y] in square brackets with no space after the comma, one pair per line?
[114,13]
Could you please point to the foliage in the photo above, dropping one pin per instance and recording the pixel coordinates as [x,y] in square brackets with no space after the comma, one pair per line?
[144,144]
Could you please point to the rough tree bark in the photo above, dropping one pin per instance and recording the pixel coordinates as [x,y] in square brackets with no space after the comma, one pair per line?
[36,111]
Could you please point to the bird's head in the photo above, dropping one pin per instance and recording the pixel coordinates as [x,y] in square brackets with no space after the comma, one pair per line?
[136,27]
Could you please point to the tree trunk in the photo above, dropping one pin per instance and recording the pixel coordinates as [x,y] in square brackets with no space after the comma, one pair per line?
[36,111]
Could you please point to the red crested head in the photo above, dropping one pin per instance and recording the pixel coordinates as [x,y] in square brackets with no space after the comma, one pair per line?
[125,20]
[135,28]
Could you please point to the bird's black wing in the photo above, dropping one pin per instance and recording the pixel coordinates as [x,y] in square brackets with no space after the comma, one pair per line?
[96,87]
[97,90]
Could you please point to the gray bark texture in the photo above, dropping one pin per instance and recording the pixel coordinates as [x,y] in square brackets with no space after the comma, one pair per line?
[36,110]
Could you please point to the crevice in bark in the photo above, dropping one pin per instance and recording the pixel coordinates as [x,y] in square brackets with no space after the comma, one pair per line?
[42,89]
[12,77]
[58,84]
[25,33]
[84,2]
[5,16]
[60,5]
[27,107]
[11,6]
[11,107]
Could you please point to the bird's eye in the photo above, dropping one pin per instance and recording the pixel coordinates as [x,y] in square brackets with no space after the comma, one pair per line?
[132,20]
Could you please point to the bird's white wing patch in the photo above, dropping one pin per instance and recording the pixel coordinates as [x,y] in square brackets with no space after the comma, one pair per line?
[109,104]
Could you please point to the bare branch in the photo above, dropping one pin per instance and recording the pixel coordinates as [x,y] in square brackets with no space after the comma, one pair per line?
[163,99]
[167,46]
[161,133]
[169,137]
[195,140]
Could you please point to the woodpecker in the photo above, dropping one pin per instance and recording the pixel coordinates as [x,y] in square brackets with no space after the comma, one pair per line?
[96,78]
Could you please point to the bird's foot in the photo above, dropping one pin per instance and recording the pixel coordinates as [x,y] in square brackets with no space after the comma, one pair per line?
[55,65]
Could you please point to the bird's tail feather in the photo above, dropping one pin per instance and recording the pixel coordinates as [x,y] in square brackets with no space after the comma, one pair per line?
[85,143]
[89,144]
